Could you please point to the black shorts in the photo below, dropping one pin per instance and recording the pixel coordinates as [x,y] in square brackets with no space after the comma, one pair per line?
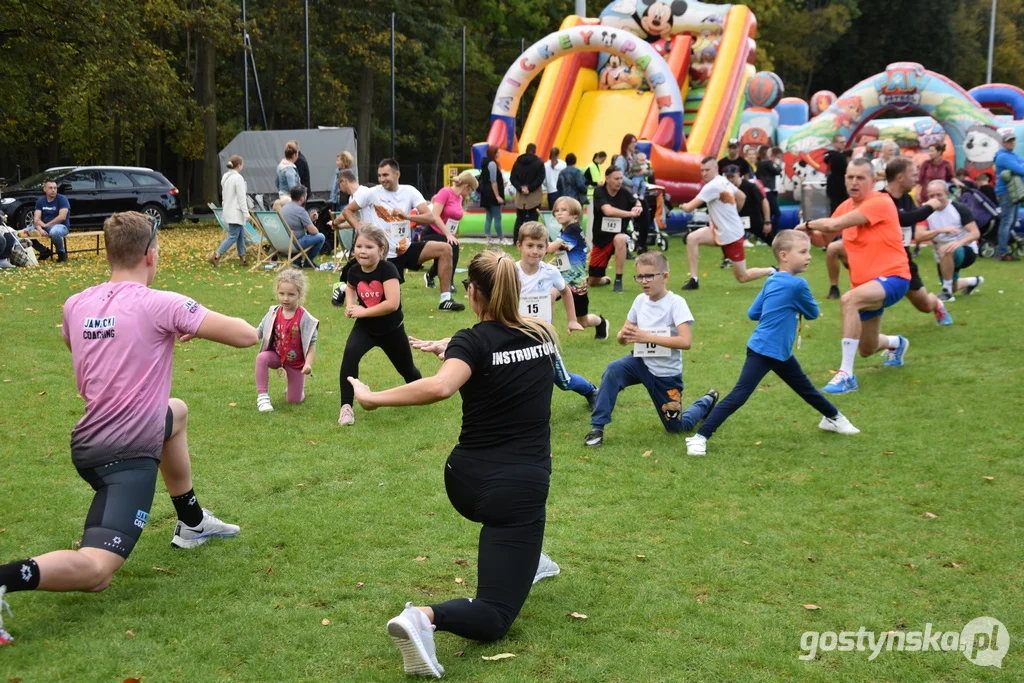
[581,302]
[120,508]
[409,259]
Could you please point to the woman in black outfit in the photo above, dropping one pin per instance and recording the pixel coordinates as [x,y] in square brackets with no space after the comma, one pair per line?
[498,473]
[768,172]
[492,191]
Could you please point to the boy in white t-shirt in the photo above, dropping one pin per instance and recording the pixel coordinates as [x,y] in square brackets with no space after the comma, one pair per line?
[658,326]
[724,201]
[537,280]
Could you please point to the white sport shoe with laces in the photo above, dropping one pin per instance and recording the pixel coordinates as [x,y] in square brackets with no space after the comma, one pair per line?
[413,634]
[5,637]
[546,568]
[210,527]
[839,424]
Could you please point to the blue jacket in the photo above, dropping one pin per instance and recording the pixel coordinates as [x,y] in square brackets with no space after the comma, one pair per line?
[572,184]
[1005,159]
[776,307]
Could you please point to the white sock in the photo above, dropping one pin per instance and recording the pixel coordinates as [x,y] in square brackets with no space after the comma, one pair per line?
[972,281]
[948,285]
[849,353]
[445,296]
[894,341]
[693,277]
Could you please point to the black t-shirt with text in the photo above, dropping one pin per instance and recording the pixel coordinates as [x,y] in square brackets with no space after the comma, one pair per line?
[370,292]
[623,201]
[506,403]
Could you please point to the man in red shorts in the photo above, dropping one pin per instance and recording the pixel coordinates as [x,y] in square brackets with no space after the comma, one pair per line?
[724,200]
[879,271]
[614,207]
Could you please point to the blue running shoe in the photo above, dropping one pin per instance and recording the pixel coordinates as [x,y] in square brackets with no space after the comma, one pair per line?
[896,357]
[842,383]
[942,316]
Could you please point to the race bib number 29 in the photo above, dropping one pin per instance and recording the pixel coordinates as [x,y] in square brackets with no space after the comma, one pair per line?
[646,350]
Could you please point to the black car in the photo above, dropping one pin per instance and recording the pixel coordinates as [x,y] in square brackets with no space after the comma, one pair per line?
[95,192]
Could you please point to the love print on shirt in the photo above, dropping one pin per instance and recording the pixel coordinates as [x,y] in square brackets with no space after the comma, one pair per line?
[370,293]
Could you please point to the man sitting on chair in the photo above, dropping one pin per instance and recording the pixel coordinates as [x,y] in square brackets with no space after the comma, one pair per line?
[300,223]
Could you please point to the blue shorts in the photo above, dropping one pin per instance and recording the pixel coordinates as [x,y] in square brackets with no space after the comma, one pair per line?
[895,289]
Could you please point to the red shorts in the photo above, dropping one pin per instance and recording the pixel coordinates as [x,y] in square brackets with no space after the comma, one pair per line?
[599,257]
[734,251]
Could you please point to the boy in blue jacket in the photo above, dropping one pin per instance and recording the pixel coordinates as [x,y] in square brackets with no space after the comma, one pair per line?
[783,298]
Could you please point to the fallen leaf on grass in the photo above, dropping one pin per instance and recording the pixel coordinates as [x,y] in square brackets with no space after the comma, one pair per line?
[810,559]
[577,615]
[645,454]
[459,581]
[129,634]
[460,653]
[930,515]
[127,680]
[299,486]
[810,606]
[989,478]
[163,571]
[910,566]
[641,557]
[887,452]
[747,543]
[421,558]
[503,655]
[312,443]
[42,393]
[758,443]
[461,561]
[728,356]
[232,404]
[270,570]
[325,622]
[953,565]
[360,584]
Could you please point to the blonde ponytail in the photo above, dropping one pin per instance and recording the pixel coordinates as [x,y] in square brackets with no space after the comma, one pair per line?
[496,278]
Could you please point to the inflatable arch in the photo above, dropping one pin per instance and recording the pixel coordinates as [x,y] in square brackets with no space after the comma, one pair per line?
[579,39]
[902,87]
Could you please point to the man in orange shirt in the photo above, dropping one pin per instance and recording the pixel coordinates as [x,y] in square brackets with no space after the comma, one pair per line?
[879,271]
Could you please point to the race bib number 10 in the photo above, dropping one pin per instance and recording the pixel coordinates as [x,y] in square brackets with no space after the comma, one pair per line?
[536,305]
[609,224]
[645,350]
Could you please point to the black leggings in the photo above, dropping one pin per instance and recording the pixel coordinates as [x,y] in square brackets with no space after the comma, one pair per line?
[433,236]
[523,216]
[754,370]
[509,500]
[6,245]
[395,345]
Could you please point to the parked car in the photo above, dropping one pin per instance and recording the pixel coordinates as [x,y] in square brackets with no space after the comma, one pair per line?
[96,192]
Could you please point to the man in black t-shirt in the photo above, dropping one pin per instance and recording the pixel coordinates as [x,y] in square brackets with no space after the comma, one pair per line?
[614,206]
[734,159]
[755,208]
[835,181]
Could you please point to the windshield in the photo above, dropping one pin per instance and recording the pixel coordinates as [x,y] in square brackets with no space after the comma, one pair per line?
[37,180]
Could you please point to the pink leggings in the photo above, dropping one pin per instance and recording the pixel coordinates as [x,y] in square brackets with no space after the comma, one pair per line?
[268,360]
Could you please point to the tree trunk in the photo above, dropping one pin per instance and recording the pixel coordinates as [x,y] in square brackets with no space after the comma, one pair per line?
[364,131]
[207,99]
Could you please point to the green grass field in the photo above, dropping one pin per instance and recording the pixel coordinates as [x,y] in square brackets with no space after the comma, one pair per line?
[688,568]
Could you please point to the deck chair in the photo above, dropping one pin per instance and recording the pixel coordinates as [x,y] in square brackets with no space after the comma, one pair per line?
[253,237]
[281,241]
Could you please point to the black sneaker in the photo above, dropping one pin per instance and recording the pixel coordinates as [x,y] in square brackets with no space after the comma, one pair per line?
[691,285]
[833,292]
[945,296]
[428,280]
[592,399]
[630,256]
[62,256]
[970,288]
[451,305]
[601,331]
[617,288]
[714,400]
[1008,257]
[725,263]
[594,438]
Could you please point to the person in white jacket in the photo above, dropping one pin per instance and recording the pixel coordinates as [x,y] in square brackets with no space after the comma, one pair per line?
[232,186]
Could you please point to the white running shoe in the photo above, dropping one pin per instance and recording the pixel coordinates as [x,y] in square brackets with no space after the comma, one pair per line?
[210,527]
[546,568]
[840,424]
[263,403]
[413,633]
[5,637]
[696,445]
[346,417]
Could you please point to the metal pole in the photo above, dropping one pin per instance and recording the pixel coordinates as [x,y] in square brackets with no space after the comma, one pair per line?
[462,154]
[256,80]
[306,5]
[581,8]
[245,64]
[991,42]
[392,85]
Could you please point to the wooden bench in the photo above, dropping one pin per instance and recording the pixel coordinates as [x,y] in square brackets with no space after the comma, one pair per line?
[98,234]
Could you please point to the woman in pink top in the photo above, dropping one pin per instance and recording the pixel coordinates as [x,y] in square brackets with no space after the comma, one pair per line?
[936,168]
[447,208]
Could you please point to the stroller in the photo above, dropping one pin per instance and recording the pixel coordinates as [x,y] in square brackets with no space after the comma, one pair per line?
[986,215]
[657,206]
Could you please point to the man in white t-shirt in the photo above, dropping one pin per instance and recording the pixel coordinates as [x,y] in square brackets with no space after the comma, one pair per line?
[389,206]
[878,164]
[724,200]
[955,235]
[658,327]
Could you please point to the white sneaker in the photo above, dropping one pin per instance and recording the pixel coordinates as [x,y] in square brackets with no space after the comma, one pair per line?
[4,263]
[346,417]
[546,568]
[5,637]
[210,527]
[413,633]
[839,424]
[696,445]
[263,403]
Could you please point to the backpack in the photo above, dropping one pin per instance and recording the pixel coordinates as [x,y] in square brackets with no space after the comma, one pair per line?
[1014,185]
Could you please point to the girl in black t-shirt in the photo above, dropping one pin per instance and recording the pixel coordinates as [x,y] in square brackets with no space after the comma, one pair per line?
[498,474]
[374,299]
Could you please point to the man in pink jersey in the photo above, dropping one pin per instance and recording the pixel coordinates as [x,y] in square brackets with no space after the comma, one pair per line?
[121,335]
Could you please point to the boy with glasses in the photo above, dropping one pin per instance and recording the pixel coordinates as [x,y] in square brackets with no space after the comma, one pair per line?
[658,327]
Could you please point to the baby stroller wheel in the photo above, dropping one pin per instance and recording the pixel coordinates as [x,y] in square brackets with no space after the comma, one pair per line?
[988,250]
[663,242]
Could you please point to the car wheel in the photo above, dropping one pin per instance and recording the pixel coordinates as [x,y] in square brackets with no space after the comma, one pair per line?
[25,219]
[156,214]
